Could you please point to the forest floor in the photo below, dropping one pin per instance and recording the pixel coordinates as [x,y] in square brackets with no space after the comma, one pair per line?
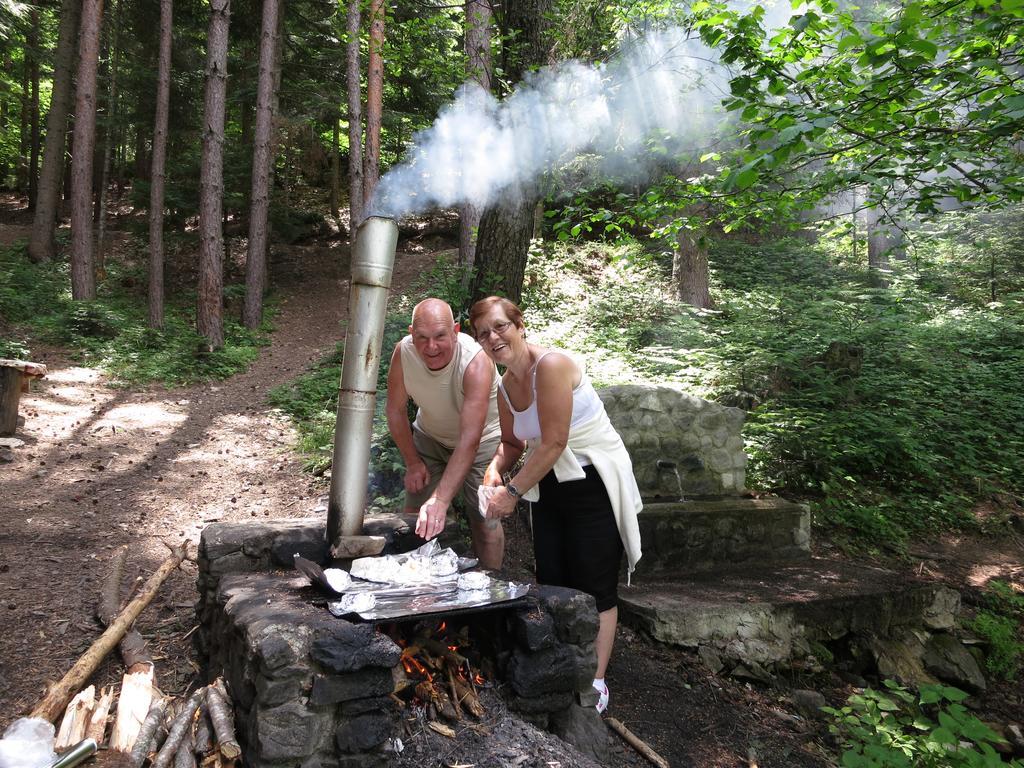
[103,467]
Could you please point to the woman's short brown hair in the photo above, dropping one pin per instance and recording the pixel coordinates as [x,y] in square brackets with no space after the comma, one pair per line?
[482,307]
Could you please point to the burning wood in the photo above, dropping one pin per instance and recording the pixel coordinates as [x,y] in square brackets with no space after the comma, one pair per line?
[438,677]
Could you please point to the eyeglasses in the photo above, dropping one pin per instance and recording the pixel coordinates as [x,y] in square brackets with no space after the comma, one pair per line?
[498,328]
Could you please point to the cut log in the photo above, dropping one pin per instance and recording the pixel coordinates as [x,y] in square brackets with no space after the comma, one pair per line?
[76,719]
[176,733]
[467,697]
[133,707]
[185,757]
[60,694]
[223,719]
[144,744]
[357,546]
[203,742]
[636,743]
[132,647]
[97,728]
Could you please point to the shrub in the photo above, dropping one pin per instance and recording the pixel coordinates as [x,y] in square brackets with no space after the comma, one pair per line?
[896,729]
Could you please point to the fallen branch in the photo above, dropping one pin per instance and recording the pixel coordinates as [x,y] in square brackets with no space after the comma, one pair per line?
[61,693]
[636,743]
[132,647]
[217,701]
[147,733]
[176,733]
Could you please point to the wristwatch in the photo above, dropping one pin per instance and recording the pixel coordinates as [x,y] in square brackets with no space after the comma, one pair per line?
[514,492]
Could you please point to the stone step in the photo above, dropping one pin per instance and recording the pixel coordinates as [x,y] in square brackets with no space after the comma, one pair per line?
[703,534]
[775,613]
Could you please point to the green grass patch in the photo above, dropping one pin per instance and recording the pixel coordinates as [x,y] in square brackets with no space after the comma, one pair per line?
[111,332]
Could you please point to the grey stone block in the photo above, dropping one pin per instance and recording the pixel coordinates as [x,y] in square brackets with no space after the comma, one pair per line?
[535,630]
[362,733]
[574,613]
[372,681]
[310,543]
[583,728]
[551,670]
[345,647]
[290,731]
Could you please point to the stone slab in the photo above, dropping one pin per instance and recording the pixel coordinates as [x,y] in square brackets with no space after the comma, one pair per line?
[771,613]
[700,535]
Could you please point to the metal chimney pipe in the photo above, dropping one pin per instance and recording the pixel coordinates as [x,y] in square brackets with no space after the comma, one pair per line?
[373,259]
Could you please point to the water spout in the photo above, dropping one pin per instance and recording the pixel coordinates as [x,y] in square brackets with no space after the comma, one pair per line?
[665,464]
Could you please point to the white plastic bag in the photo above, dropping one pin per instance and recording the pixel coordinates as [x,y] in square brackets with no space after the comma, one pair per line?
[28,743]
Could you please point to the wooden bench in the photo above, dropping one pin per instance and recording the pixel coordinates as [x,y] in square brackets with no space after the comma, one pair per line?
[15,376]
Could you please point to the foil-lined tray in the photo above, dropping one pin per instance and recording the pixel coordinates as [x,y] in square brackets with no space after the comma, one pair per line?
[376,600]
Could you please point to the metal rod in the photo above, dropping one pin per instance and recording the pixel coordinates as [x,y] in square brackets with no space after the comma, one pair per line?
[76,754]
[373,259]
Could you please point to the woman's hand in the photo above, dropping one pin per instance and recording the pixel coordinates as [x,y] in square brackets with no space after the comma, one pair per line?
[492,477]
[502,504]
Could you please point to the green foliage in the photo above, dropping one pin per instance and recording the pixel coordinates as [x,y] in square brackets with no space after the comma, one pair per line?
[896,729]
[1000,623]
[1003,655]
[917,101]
[111,332]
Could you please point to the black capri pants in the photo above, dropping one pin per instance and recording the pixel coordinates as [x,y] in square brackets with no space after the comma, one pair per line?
[576,542]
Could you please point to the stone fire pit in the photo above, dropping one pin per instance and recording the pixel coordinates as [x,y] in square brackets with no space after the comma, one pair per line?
[311,689]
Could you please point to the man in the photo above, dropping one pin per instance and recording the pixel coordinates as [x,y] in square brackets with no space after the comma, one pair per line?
[456,431]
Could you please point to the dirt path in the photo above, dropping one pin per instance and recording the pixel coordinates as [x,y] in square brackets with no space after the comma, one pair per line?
[104,467]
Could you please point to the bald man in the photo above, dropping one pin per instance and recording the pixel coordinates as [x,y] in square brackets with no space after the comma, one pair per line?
[455,434]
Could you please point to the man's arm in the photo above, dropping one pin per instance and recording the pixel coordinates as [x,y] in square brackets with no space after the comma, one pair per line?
[416,473]
[476,385]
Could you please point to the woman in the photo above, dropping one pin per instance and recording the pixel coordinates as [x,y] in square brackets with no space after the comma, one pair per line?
[577,472]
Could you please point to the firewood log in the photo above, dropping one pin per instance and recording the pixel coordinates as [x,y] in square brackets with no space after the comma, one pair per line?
[182,724]
[133,706]
[185,757]
[430,693]
[60,694]
[97,727]
[76,718]
[147,733]
[203,742]
[222,717]
[467,697]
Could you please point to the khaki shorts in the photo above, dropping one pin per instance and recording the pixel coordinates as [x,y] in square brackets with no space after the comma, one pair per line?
[436,457]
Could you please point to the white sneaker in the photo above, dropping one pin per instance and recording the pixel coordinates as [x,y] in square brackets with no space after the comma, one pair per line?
[602,699]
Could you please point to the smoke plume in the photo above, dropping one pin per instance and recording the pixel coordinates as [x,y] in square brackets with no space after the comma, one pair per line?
[657,96]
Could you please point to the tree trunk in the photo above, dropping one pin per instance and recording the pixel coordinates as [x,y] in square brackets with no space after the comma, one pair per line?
[83,278]
[478,70]
[41,245]
[374,100]
[262,159]
[158,169]
[33,153]
[690,270]
[209,309]
[881,245]
[502,245]
[503,240]
[108,138]
[335,167]
[353,71]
